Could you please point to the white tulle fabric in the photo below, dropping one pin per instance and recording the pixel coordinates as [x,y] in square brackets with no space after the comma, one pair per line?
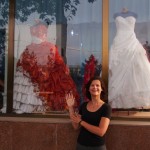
[129,68]
[25,99]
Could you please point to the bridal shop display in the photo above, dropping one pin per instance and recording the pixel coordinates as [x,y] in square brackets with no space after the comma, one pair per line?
[42,78]
[129,68]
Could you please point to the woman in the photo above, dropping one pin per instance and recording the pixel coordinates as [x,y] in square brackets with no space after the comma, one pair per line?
[93,118]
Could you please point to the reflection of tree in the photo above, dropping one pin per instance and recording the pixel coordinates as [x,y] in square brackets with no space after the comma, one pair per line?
[4,5]
[53,8]
[2,64]
[2,58]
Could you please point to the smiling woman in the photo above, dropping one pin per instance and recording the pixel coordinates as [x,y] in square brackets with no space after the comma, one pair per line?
[93,118]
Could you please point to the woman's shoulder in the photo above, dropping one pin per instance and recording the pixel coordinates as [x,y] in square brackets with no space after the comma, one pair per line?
[106,106]
[107,110]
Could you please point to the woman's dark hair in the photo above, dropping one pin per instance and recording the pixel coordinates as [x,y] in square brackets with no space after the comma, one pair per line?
[103,95]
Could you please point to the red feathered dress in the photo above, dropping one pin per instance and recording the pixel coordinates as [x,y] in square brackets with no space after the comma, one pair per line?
[44,78]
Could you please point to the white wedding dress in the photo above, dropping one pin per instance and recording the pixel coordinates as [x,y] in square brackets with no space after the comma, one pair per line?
[129,68]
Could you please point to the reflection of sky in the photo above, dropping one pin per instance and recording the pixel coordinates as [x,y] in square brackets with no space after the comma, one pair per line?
[84,33]
[92,13]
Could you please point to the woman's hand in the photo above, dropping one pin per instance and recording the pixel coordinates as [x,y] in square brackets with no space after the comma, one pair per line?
[76,118]
[70,99]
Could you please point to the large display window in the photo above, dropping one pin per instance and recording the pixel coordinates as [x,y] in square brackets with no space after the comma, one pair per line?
[56,48]
[129,52]
[50,48]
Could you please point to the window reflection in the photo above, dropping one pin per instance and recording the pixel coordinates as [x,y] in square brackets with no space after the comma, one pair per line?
[76,42]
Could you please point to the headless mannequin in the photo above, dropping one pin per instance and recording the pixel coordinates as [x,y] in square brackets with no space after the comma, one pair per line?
[125,13]
[39,32]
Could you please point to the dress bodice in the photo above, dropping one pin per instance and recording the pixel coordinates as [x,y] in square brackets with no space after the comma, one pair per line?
[124,25]
[42,53]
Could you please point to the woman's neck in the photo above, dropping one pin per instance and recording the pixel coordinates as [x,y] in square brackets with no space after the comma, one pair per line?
[95,103]
[96,100]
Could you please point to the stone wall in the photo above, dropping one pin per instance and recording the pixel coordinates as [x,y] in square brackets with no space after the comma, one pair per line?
[58,134]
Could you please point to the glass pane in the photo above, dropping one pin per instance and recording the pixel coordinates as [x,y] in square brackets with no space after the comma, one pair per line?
[84,53]
[4,15]
[54,41]
[129,67]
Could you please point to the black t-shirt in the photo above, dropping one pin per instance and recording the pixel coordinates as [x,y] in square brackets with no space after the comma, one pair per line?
[85,137]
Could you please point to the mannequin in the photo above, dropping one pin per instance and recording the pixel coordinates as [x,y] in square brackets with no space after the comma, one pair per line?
[129,68]
[42,78]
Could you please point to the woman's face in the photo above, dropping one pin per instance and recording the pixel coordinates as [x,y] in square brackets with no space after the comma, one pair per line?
[95,88]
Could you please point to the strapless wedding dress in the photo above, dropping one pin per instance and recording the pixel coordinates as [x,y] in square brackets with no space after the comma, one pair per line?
[129,68]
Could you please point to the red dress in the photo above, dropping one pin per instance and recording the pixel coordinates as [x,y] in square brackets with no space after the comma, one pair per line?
[49,75]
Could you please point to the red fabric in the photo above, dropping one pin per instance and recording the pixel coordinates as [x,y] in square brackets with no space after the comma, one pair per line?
[49,73]
[89,72]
